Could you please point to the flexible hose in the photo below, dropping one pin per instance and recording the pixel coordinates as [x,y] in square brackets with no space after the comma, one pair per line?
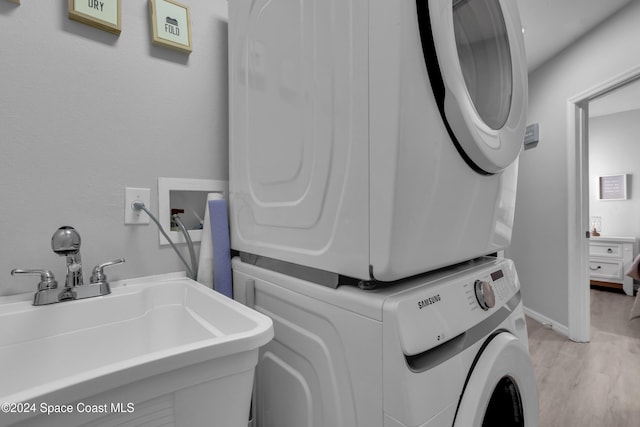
[192,252]
[141,206]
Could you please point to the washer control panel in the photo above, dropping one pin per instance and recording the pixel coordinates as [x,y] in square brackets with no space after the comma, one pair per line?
[436,312]
[501,285]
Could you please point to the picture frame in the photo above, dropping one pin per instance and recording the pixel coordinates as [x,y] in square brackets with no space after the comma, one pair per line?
[105,15]
[171,25]
[612,187]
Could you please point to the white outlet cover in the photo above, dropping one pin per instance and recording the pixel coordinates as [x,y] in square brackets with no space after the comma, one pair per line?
[131,216]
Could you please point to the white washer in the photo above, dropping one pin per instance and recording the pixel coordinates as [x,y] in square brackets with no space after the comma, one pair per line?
[374,139]
[445,349]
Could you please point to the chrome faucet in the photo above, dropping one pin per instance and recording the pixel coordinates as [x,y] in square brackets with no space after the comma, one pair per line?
[66,242]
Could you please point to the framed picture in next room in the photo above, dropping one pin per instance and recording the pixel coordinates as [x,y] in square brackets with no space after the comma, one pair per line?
[612,187]
[171,24]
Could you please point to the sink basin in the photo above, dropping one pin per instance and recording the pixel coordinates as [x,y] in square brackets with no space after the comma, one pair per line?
[161,342]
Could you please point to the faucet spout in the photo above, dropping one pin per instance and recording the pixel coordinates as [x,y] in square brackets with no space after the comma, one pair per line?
[74,271]
[66,242]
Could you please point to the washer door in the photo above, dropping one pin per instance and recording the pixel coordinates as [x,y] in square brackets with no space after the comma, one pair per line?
[474,52]
[501,387]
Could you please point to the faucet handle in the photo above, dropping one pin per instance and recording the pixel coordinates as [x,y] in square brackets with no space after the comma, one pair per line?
[47,279]
[98,276]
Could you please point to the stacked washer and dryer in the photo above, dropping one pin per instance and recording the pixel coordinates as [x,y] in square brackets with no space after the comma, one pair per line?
[373,168]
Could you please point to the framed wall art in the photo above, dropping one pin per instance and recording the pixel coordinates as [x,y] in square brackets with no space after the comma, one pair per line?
[171,24]
[612,187]
[102,14]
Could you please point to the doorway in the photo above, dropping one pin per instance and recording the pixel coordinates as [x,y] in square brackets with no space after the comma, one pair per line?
[578,201]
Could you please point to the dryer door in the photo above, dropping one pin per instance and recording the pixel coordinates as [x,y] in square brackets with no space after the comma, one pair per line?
[474,51]
[501,387]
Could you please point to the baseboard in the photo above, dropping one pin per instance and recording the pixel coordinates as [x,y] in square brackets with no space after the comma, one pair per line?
[561,329]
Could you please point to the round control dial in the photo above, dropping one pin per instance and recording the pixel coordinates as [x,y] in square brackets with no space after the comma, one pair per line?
[484,294]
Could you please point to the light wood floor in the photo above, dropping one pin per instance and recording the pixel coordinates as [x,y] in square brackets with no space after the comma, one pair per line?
[595,384]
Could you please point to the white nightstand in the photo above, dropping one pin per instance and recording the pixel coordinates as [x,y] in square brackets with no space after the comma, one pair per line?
[610,257]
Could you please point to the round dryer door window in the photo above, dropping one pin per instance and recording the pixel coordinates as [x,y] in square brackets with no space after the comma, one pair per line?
[501,387]
[485,59]
[474,52]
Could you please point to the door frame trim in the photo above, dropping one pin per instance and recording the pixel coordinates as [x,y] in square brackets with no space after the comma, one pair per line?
[578,201]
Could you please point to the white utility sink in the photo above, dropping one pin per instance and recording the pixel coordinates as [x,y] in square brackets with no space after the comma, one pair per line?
[163,346]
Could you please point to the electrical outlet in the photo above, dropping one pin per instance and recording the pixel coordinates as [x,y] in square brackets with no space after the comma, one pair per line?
[132,216]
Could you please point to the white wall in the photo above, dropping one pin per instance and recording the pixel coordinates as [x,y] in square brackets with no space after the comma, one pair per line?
[84,113]
[614,148]
[540,239]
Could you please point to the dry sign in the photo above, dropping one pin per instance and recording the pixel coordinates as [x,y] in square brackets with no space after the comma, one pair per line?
[171,24]
[103,14]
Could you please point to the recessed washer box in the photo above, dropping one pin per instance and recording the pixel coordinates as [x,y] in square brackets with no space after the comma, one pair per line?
[189,195]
